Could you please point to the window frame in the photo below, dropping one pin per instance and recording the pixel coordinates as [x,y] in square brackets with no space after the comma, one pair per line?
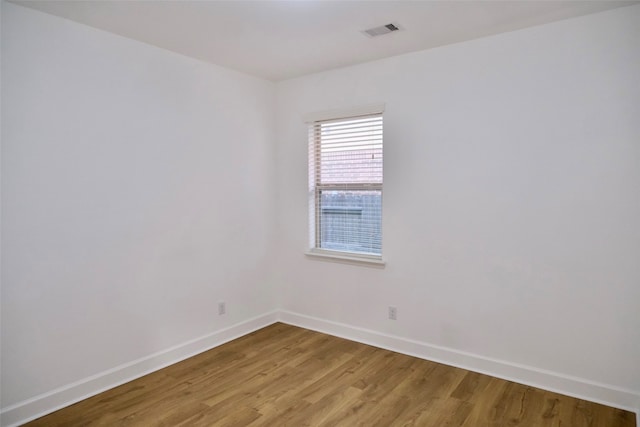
[316,187]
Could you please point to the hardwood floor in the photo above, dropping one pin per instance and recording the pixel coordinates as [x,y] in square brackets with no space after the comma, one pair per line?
[287,376]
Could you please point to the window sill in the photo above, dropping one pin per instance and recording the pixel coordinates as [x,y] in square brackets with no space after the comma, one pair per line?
[371,260]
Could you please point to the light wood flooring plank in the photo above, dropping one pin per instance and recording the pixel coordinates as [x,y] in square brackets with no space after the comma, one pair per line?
[287,376]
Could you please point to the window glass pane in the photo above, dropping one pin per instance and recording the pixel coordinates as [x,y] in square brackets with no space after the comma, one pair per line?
[351,151]
[350,221]
[345,184]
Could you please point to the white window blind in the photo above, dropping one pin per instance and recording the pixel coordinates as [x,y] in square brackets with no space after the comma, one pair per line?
[345,184]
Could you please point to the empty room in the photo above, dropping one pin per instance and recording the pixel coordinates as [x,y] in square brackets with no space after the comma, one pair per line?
[320,213]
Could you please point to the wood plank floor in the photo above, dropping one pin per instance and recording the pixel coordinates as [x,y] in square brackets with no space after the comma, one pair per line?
[287,376]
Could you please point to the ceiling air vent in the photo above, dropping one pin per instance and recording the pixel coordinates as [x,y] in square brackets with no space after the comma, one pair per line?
[381,30]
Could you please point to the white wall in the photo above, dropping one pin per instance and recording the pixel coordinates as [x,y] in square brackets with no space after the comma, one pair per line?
[511,202]
[136,193]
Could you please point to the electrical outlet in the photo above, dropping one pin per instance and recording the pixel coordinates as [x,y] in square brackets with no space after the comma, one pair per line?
[222,308]
[393,313]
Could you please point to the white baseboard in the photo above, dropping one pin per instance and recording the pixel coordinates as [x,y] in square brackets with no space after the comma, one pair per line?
[547,380]
[43,404]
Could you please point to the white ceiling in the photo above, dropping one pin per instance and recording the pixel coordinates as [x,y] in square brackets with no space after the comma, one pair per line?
[277,40]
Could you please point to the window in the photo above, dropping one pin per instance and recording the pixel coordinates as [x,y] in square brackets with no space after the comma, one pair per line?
[345,185]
